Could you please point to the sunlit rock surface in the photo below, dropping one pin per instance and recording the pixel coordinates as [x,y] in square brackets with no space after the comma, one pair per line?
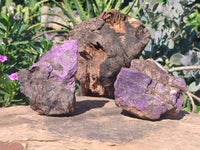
[148,91]
[50,83]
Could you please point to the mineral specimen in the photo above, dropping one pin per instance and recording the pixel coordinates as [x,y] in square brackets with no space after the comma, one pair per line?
[147,90]
[107,43]
[50,83]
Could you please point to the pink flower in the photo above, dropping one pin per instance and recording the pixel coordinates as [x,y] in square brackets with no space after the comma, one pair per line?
[13,76]
[11,8]
[18,18]
[14,17]
[3,58]
[3,43]
[47,36]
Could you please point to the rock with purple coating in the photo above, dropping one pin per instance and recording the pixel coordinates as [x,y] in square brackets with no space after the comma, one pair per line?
[148,91]
[50,83]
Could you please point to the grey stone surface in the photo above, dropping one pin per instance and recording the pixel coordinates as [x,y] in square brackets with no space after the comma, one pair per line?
[98,125]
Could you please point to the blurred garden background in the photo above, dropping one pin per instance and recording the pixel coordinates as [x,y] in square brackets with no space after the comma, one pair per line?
[174,27]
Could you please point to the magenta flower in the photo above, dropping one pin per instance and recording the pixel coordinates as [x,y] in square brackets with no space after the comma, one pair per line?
[47,36]
[3,43]
[11,8]
[13,76]
[18,18]
[14,17]
[3,58]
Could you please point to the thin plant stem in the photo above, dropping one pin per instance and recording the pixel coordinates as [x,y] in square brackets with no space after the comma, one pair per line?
[51,31]
[192,101]
[184,68]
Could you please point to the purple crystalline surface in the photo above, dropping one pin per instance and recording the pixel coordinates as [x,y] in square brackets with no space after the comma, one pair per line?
[130,92]
[61,63]
[147,91]
[50,83]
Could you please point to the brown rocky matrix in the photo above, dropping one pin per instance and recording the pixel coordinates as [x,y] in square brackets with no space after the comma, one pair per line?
[106,43]
[50,83]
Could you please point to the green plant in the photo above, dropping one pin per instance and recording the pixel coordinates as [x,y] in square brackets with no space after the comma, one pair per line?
[17,51]
[189,69]
[93,9]
[16,37]
[10,92]
[194,18]
[43,45]
[168,28]
[174,43]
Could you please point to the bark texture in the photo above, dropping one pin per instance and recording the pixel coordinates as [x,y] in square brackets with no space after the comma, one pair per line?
[106,43]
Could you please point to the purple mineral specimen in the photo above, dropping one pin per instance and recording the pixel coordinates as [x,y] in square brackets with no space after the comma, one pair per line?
[50,83]
[147,90]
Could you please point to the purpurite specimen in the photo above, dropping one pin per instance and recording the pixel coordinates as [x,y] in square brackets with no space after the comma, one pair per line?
[50,83]
[147,90]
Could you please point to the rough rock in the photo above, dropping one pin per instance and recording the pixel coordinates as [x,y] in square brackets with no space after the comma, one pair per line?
[106,43]
[148,91]
[98,125]
[50,83]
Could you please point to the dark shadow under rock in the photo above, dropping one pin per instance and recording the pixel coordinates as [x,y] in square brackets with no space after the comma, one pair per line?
[178,116]
[84,106]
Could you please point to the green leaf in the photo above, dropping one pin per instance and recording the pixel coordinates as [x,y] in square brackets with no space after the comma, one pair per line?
[3,13]
[8,3]
[155,7]
[194,86]
[2,33]
[0,5]
[68,11]
[197,110]
[125,10]
[108,5]
[32,3]
[175,73]
[138,10]
[37,4]
[3,93]
[26,14]
[90,9]
[15,43]
[176,58]
[38,24]
[171,44]
[128,9]
[80,10]
[184,96]
[188,108]
[2,26]
[97,7]
[51,31]
[118,4]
